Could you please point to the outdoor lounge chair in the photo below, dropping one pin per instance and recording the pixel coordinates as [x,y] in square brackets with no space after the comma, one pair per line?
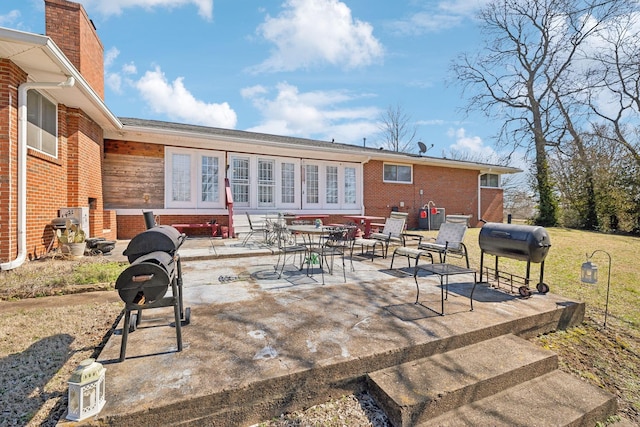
[448,241]
[391,233]
[367,243]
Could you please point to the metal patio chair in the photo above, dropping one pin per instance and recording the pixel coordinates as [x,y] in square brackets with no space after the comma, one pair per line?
[391,233]
[253,229]
[287,247]
[338,241]
[448,241]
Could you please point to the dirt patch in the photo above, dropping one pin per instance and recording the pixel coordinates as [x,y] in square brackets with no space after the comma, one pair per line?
[608,358]
[40,345]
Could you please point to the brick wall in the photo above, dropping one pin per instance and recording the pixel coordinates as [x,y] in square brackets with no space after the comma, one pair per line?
[492,204]
[70,28]
[46,189]
[452,189]
[10,77]
[71,179]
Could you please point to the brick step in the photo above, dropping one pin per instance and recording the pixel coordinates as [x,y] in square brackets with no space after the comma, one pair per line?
[417,391]
[553,399]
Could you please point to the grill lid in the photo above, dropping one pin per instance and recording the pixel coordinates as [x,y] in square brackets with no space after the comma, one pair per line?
[146,279]
[522,242]
[160,238]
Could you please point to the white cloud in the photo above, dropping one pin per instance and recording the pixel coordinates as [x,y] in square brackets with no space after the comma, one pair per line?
[317,32]
[10,19]
[316,114]
[113,80]
[174,100]
[110,56]
[116,7]
[129,68]
[470,145]
[437,17]
[253,91]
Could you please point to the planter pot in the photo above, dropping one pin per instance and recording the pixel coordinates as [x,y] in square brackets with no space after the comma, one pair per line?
[74,249]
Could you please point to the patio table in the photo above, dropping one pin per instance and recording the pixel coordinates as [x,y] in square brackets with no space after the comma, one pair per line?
[444,271]
[308,232]
[367,219]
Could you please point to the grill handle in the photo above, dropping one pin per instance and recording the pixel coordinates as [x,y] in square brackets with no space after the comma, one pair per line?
[142,278]
[503,234]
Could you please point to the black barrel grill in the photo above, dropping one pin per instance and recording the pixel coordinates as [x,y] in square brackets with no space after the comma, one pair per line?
[521,242]
[155,266]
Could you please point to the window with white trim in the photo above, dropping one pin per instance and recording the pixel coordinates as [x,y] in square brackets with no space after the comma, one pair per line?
[288,183]
[181,177]
[490,180]
[194,178]
[350,186]
[239,180]
[312,181]
[266,183]
[210,175]
[331,185]
[398,173]
[42,123]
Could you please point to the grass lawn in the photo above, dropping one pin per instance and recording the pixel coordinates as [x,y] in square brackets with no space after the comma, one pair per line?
[607,357]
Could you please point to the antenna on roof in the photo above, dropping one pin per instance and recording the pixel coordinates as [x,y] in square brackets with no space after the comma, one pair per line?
[423,147]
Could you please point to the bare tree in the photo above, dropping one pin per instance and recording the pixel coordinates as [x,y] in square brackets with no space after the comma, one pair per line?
[616,75]
[531,47]
[397,129]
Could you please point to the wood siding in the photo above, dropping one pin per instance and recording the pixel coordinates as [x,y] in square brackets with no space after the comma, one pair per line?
[133,175]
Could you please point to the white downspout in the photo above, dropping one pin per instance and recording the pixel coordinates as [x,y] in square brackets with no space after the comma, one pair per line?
[479,198]
[362,163]
[22,166]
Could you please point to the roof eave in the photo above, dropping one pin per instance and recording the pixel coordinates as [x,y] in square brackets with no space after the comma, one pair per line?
[183,138]
[82,94]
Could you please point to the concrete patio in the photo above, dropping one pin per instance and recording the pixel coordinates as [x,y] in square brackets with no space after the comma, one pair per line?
[258,346]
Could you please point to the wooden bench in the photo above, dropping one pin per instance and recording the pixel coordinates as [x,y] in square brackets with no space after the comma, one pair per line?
[194,226]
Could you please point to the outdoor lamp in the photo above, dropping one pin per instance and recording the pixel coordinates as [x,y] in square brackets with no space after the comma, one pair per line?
[86,390]
[589,274]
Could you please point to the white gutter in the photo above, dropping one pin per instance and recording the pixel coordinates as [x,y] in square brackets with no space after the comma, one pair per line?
[22,166]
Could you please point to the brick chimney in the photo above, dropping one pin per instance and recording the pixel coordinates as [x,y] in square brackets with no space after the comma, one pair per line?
[71,29]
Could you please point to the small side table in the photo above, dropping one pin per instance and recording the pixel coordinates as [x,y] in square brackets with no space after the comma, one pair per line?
[444,271]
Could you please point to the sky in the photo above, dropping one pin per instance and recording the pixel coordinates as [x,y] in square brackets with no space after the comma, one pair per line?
[320,69]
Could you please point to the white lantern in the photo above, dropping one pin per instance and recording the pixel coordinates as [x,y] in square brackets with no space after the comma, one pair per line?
[86,390]
[589,273]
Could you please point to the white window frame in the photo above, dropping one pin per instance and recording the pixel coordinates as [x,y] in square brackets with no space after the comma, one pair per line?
[254,160]
[287,187]
[36,115]
[238,202]
[266,186]
[498,179]
[195,179]
[397,165]
[322,186]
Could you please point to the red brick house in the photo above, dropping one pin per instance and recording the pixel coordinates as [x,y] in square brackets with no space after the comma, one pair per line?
[61,146]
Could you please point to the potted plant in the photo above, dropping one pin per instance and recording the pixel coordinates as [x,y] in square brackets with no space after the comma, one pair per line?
[72,239]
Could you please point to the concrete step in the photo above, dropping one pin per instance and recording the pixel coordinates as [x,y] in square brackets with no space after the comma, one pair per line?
[554,399]
[503,381]
[416,391]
